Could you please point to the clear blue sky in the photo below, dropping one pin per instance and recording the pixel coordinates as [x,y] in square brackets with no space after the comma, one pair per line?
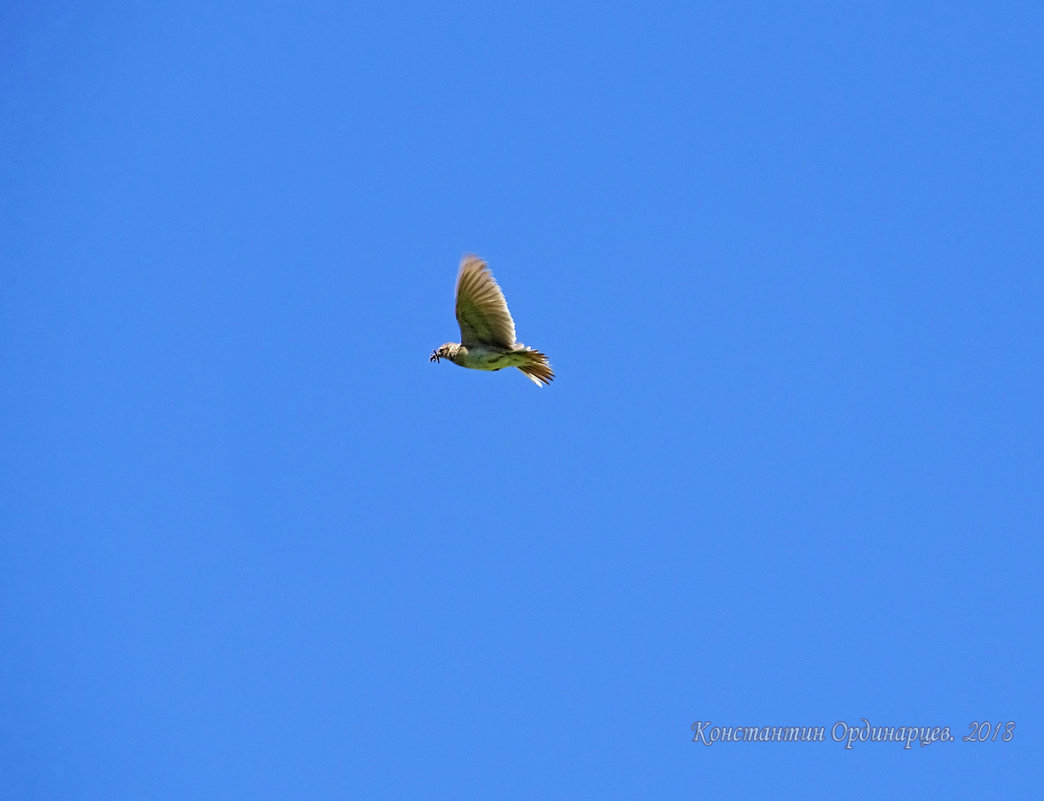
[786,259]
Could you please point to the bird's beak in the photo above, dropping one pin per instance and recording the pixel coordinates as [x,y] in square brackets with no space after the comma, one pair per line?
[434,356]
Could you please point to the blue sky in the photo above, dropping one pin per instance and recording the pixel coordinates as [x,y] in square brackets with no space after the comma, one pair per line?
[786,261]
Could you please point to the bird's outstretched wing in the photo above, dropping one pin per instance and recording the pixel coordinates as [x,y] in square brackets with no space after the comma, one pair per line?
[481,309]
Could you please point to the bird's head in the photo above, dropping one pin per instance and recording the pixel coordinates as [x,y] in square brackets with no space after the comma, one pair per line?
[444,352]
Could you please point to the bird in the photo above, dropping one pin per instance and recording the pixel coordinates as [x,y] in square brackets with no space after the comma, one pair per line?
[487,332]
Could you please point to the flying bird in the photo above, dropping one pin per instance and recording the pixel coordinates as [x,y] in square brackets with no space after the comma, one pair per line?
[487,332]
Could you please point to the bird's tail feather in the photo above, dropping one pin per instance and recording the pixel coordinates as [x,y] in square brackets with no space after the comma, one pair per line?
[536,367]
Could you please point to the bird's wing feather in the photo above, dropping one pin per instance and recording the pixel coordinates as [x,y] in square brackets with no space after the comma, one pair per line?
[481,309]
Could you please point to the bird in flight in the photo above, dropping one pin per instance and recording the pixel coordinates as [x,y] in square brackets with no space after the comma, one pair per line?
[487,332]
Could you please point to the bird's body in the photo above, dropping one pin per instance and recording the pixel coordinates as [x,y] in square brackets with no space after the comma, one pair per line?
[487,332]
[483,357]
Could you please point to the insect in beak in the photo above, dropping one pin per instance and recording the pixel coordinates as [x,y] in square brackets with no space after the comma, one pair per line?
[434,356]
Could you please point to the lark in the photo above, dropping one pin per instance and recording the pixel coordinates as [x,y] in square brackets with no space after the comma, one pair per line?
[487,332]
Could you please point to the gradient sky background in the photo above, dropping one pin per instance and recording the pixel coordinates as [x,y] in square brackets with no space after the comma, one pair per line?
[786,260]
